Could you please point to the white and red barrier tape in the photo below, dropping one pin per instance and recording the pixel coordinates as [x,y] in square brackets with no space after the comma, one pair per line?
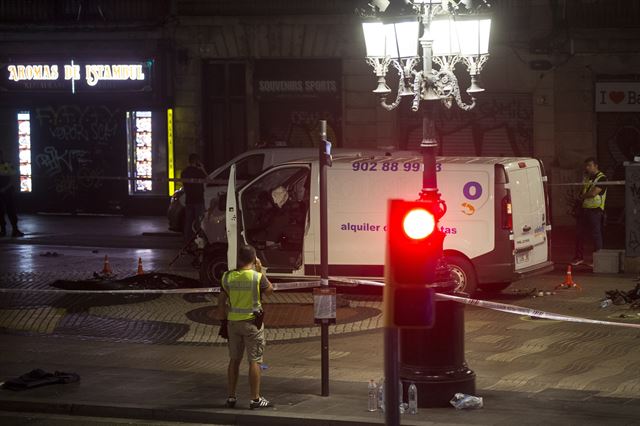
[496,306]
[197,180]
[276,286]
[503,307]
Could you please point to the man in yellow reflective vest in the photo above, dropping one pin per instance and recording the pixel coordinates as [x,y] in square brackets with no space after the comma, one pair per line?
[591,213]
[240,312]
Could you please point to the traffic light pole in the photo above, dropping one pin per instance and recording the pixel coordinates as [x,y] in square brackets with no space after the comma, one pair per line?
[391,376]
[429,146]
[433,358]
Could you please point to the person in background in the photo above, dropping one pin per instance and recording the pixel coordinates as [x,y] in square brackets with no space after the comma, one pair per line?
[591,212]
[194,194]
[241,315]
[7,204]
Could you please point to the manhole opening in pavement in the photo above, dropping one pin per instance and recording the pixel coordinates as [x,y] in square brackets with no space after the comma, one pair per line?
[284,315]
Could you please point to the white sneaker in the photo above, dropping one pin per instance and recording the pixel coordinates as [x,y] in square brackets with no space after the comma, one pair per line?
[260,403]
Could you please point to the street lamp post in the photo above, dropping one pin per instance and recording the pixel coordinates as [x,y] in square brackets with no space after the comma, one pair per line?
[449,32]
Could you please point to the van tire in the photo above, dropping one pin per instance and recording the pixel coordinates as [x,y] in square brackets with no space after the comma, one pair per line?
[213,265]
[463,273]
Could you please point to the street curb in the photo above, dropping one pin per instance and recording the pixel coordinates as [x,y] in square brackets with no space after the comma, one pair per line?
[223,416]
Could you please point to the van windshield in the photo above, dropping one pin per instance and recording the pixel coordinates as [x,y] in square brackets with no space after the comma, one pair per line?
[247,168]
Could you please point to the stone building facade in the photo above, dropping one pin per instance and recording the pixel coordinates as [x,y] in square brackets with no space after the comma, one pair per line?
[248,73]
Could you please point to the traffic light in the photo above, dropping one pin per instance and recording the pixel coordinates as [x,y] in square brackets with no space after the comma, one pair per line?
[414,250]
[325,153]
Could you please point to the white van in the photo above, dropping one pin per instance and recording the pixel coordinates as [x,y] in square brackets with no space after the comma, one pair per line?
[248,165]
[496,224]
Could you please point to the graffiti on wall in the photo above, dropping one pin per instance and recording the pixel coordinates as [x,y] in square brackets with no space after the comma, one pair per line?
[72,122]
[298,128]
[75,144]
[618,142]
[633,211]
[499,125]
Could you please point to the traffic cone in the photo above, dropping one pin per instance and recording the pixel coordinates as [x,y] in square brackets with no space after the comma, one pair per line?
[106,269]
[568,280]
[140,270]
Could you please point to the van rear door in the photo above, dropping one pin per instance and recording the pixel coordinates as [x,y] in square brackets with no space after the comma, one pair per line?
[529,213]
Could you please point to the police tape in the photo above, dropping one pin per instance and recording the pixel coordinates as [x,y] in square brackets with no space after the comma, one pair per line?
[276,287]
[294,285]
[518,310]
[128,178]
[607,183]
[503,307]
[496,306]
[356,281]
[207,180]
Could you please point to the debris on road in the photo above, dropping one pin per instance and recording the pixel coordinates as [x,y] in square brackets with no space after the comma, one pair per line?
[462,401]
[149,281]
[38,377]
[618,297]
[50,254]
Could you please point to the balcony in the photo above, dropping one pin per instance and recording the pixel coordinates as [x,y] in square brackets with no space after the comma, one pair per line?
[82,12]
[601,14]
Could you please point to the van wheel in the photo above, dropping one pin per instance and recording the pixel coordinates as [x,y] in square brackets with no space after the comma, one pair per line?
[463,274]
[213,266]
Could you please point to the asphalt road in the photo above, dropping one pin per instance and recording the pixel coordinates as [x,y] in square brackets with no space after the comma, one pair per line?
[174,335]
[24,419]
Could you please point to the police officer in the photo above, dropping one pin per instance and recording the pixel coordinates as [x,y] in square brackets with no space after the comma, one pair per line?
[240,309]
[7,204]
[591,214]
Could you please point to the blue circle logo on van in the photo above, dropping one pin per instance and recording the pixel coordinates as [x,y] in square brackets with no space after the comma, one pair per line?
[472,190]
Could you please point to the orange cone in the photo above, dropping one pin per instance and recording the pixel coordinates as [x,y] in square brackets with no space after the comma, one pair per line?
[140,270]
[568,281]
[106,269]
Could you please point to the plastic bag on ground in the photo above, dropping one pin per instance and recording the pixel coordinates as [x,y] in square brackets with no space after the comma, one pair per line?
[462,401]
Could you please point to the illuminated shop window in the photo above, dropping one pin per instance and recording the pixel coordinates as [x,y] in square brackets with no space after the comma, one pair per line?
[143,149]
[24,150]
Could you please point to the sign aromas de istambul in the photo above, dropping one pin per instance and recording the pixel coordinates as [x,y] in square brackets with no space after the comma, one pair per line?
[92,74]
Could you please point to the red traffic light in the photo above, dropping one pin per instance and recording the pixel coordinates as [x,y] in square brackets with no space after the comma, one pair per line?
[418,223]
[414,248]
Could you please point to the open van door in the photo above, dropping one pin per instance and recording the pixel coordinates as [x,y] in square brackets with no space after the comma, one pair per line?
[232,221]
[274,215]
[531,244]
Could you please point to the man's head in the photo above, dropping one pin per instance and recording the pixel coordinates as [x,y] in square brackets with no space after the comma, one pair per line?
[246,256]
[591,165]
[194,159]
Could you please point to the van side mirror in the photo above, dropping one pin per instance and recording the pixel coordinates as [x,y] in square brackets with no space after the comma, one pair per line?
[222,201]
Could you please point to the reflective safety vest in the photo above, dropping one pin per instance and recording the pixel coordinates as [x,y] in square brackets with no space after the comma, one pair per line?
[243,291]
[596,202]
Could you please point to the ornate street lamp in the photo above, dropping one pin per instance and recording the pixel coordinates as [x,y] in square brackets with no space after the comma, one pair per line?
[449,32]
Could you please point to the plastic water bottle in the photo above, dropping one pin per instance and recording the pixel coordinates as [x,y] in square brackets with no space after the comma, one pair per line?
[413,399]
[400,402]
[606,303]
[381,395]
[373,396]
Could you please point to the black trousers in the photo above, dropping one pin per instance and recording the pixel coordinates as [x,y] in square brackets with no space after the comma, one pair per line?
[589,226]
[8,207]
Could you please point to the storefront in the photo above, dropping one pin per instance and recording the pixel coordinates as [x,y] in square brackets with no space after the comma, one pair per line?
[617,104]
[293,96]
[86,129]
